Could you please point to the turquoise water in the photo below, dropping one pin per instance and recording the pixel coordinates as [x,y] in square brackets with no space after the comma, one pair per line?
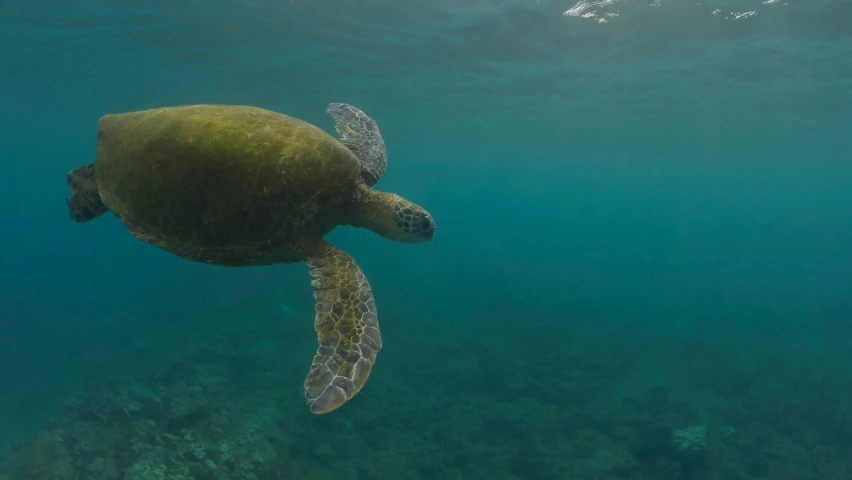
[640,271]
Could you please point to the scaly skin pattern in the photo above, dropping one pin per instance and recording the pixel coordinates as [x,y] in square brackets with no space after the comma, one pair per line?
[227,185]
[347,327]
[390,215]
[85,203]
[361,134]
[346,320]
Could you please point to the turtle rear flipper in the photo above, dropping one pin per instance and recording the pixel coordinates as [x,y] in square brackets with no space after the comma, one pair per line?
[85,202]
[361,135]
[347,327]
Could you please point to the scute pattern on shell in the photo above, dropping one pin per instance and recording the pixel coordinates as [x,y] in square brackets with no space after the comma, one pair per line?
[225,184]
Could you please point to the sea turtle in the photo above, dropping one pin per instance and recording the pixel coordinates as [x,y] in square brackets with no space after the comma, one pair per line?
[237,185]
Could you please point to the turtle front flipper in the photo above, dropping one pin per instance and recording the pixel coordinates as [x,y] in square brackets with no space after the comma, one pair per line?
[361,135]
[85,202]
[347,327]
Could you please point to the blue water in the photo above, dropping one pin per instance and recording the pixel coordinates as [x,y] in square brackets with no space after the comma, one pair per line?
[641,268]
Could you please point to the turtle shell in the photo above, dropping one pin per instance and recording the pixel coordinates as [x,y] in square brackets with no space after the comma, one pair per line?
[229,185]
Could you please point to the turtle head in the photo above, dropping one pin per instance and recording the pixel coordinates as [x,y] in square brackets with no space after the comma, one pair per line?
[393,217]
[411,222]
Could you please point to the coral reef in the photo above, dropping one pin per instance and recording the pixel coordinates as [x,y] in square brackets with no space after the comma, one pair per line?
[226,405]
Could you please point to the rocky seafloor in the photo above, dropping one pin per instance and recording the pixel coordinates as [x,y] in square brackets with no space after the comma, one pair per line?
[584,400]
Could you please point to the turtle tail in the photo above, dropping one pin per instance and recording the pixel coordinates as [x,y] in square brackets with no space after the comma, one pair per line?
[85,202]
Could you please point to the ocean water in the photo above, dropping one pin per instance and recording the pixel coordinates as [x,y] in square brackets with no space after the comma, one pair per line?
[641,268]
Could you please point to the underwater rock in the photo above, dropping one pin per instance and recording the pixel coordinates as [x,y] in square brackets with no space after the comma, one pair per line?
[186,405]
[599,456]
[610,462]
[656,399]
[691,442]
[728,434]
